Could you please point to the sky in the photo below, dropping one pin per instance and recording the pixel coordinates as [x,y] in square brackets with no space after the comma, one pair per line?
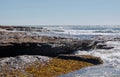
[59,12]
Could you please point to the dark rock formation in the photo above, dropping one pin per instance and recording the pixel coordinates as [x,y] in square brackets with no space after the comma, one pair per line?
[85,58]
[22,28]
[47,48]
[103,46]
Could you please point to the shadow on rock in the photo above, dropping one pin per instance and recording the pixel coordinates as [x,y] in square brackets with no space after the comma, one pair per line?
[15,49]
[85,58]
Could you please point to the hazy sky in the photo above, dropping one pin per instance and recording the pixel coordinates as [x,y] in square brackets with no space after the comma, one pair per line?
[59,12]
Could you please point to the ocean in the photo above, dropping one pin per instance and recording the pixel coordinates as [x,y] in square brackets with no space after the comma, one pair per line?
[82,31]
[111,58]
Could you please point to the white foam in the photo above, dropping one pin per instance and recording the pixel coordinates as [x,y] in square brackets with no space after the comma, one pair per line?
[88,32]
[112,55]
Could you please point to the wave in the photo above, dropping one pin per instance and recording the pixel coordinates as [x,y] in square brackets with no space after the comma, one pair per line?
[89,32]
[107,31]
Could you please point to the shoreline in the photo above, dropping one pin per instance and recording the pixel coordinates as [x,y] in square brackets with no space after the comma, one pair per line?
[22,44]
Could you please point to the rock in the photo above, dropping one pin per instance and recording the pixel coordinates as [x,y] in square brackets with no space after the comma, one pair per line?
[117,39]
[107,47]
[45,49]
[103,46]
[49,48]
[85,58]
[20,61]
[22,28]
[90,45]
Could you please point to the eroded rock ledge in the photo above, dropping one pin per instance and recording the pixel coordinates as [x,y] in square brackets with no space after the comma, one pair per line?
[47,46]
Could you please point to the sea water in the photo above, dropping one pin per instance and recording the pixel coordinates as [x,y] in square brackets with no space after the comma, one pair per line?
[111,58]
[83,31]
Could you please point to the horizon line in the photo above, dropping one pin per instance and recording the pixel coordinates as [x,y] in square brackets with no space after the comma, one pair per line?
[61,24]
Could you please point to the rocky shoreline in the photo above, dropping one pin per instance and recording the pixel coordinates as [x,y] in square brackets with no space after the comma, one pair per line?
[19,49]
